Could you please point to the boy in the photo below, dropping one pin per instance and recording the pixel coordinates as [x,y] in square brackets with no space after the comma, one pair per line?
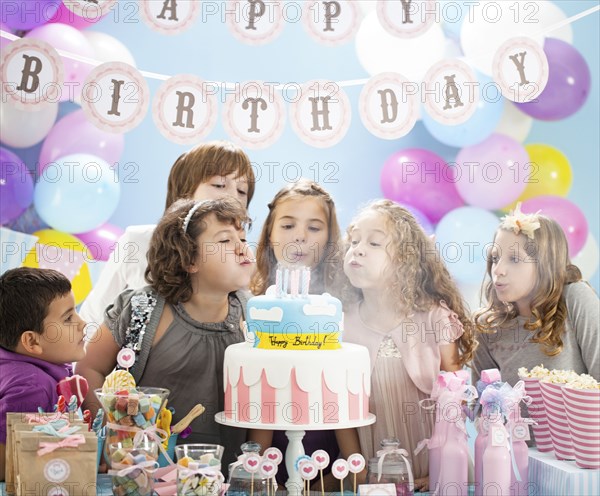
[40,335]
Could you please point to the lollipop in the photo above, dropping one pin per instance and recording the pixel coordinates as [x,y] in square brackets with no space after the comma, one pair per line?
[321,459]
[356,464]
[118,379]
[252,465]
[268,470]
[73,386]
[340,470]
[97,423]
[308,471]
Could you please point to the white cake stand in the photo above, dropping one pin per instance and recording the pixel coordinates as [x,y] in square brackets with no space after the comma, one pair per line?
[295,448]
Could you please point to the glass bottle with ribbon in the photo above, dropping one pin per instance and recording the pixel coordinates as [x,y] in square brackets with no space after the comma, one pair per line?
[392,466]
[133,468]
[131,414]
[245,477]
[199,469]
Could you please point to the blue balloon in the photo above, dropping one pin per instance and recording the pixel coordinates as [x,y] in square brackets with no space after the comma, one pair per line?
[77,193]
[463,237]
[481,124]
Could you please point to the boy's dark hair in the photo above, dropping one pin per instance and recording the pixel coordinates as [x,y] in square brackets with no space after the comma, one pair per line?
[25,296]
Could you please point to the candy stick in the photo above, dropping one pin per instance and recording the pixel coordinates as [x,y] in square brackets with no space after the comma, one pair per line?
[87,418]
[61,404]
[72,406]
[98,419]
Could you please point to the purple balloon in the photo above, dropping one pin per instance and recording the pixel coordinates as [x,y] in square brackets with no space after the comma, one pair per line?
[423,180]
[75,134]
[28,14]
[16,186]
[568,215]
[421,218]
[568,85]
[101,241]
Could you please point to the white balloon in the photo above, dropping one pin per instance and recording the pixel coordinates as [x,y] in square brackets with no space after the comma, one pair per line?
[22,129]
[108,49]
[378,51]
[367,6]
[452,49]
[491,23]
[550,14]
[587,259]
[514,123]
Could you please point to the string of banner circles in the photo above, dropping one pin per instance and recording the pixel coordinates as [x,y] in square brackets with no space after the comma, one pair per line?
[41,66]
[115,96]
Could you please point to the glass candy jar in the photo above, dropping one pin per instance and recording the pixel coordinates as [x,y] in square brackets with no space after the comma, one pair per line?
[390,467]
[242,482]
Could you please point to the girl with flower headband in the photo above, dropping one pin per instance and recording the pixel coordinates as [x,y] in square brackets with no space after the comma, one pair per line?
[180,324]
[411,317]
[301,230]
[208,171]
[538,310]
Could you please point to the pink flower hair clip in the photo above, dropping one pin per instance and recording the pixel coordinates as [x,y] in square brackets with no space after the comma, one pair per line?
[519,222]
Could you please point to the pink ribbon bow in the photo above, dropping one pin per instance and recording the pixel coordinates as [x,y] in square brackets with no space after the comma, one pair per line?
[147,468]
[381,454]
[36,418]
[153,432]
[68,442]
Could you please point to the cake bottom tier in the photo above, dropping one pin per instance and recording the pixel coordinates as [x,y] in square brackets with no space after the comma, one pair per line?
[287,387]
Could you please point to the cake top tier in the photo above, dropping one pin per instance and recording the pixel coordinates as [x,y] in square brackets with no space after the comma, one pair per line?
[299,322]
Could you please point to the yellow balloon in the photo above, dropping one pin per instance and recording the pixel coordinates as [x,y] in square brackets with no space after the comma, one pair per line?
[549,174]
[82,282]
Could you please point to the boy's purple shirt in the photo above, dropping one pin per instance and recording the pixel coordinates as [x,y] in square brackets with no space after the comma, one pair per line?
[27,383]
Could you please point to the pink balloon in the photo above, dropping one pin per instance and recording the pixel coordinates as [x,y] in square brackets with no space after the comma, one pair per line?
[566,213]
[75,134]
[65,16]
[63,37]
[101,241]
[491,174]
[422,179]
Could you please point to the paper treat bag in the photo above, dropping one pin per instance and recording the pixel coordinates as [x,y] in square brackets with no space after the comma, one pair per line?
[54,465]
[26,421]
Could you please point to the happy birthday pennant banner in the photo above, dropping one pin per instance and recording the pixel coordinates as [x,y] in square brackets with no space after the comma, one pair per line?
[116,97]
